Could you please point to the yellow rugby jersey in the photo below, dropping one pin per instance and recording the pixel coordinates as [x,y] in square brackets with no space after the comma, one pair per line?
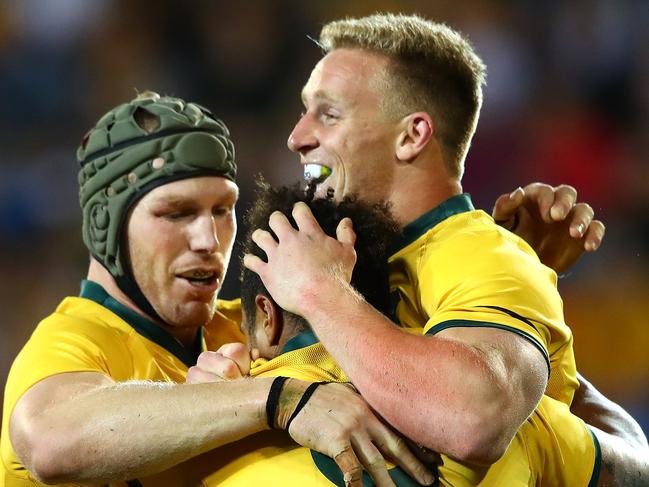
[95,333]
[271,458]
[553,447]
[457,268]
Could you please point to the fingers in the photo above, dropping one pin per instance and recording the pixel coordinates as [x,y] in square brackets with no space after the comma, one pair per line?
[216,364]
[345,232]
[350,467]
[594,236]
[280,225]
[580,219]
[506,206]
[372,460]
[391,445]
[239,354]
[542,196]
[265,240]
[565,198]
[305,220]
[254,263]
[196,375]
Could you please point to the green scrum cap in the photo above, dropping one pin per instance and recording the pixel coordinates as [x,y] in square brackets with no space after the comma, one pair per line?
[135,148]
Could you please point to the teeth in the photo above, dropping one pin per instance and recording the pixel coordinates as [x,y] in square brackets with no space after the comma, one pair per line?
[199,274]
[315,171]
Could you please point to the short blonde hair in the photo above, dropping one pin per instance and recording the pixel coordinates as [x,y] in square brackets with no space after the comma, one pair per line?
[433,68]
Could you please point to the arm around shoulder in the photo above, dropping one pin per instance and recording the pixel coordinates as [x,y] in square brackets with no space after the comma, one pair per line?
[83,427]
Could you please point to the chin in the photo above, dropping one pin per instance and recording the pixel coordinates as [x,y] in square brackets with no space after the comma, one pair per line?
[192,315]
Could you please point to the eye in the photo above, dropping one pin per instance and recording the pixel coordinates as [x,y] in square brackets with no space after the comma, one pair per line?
[328,114]
[222,211]
[177,215]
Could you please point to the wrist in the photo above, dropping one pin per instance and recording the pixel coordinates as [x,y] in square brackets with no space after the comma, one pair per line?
[329,296]
[286,399]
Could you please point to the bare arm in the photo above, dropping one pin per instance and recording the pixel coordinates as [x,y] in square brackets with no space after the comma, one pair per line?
[412,381]
[464,392]
[625,452]
[84,427]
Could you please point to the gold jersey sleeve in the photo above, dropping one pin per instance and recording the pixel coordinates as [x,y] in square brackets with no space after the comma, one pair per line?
[75,338]
[553,447]
[468,272]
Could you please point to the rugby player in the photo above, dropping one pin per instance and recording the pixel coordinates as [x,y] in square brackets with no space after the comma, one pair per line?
[389,114]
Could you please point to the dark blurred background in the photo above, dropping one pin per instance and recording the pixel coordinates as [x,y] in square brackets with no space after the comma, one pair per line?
[567,101]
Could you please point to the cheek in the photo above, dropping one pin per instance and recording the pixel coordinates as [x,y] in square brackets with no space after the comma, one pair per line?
[226,233]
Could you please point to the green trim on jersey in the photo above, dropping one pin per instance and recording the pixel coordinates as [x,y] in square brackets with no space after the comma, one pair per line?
[304,339]
[147,328]
[594,479]
[330,469]
[454,205]
[484,324]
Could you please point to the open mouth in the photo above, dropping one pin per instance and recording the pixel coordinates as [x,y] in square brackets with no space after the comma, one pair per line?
[317,172]
[316,176]
[198,277]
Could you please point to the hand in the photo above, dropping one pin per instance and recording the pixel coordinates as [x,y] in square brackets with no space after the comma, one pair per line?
[305,260]
[548,219]
[231,361]
[338,423]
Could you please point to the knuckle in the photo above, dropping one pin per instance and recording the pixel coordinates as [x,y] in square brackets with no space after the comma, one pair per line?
[205,358]
[229,368]
[566,188]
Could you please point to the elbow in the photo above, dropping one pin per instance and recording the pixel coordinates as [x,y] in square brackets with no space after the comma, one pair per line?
[48,463]
[483,447]
[486,434]
[45,456]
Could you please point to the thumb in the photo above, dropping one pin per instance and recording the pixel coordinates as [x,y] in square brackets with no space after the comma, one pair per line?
[345,232]
[507,204]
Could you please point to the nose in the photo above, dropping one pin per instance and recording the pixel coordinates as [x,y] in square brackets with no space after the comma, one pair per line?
[303,136]
[203,235]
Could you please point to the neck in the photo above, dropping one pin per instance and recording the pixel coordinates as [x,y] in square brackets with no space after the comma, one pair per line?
[420,192]
[98,273]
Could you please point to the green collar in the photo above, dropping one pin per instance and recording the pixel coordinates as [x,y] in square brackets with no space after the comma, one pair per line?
[459,203]
[147,328]
[302,340]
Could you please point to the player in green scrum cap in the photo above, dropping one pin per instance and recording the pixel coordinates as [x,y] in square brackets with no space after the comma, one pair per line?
[96,395]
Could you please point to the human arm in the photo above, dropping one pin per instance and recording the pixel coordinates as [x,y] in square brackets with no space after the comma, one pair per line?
[625,452]
[412,381]
[365,440]
[83,427]
[549,219]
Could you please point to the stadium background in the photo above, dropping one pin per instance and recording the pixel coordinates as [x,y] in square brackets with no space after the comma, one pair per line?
[567,101]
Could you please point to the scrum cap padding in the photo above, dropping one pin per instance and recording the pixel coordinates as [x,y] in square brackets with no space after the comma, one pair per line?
[123,158]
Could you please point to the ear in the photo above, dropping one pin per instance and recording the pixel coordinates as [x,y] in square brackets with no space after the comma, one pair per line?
[273,319]
[417,132]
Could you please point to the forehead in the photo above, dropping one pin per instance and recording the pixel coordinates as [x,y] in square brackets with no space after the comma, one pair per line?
[204,188]
[343,73]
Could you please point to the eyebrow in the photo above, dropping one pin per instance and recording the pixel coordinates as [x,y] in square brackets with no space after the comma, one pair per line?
[320,95]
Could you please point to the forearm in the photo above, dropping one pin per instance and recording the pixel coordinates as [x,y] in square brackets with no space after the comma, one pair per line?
[447,395]
[128,430]
[625,452]
[599,411]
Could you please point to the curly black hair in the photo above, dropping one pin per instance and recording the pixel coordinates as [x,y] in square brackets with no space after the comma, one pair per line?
[376,234]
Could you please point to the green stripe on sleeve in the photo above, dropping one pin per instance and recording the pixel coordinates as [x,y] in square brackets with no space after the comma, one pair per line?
[484,324]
